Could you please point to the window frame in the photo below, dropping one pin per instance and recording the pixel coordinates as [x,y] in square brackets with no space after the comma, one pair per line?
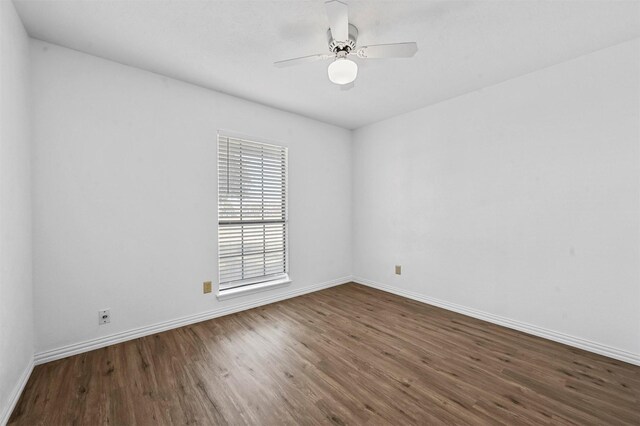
[255,284]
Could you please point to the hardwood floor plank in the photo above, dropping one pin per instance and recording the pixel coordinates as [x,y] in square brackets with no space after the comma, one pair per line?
[346,355]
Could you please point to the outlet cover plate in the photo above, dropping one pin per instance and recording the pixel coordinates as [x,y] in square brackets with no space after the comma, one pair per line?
[398,269]
[104,316]
[206,287]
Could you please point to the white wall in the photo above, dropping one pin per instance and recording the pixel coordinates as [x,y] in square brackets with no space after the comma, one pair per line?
[16,324]
[125,187]
[520,200]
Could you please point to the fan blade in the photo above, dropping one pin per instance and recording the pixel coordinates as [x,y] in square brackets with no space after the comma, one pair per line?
[338,15]
[393,50]
[301,60]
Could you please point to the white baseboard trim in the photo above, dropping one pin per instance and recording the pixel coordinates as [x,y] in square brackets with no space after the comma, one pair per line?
[556,336]
[89,345]
[15,395]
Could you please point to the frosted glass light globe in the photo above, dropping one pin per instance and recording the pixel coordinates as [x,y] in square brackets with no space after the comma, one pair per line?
[342,71]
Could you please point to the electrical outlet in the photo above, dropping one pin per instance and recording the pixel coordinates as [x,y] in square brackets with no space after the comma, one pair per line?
[206,287]
[398,269]
[104,316]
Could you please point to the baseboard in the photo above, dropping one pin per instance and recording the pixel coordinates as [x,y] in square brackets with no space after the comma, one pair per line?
[15,395]
[556,336]
[89,345]
[77,348]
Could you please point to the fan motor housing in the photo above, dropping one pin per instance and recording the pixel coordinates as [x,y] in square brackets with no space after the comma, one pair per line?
[336,46]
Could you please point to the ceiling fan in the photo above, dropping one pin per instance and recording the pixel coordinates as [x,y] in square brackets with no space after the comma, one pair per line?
[343,37]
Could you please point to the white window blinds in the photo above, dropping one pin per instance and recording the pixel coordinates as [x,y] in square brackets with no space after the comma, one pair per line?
[252,212]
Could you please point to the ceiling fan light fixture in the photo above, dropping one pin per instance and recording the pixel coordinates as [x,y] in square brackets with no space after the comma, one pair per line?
[343,42]
[342,71]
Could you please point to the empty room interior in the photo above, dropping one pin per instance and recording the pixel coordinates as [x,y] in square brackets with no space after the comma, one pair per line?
[319,212]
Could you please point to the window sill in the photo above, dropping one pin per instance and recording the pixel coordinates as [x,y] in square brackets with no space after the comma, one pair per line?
[253,288]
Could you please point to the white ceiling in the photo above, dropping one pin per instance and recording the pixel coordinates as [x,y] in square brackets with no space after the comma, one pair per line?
[230,46]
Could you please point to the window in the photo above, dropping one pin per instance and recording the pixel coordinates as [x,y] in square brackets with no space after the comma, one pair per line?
[252,213]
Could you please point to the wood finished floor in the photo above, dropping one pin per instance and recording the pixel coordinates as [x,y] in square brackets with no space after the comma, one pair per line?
[345,355]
